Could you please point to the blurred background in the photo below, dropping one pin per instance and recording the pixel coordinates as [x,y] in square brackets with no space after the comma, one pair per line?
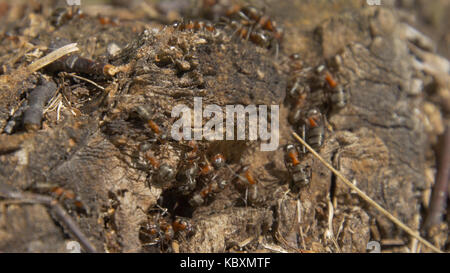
[430,17]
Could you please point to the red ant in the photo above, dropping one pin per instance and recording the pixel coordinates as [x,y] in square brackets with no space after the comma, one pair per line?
[251,24]
[315,128]
[194,26]
[159,229]
[68,197]
[208,177]
[300,174]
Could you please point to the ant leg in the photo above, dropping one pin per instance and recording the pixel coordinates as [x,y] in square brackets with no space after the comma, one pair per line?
[250,29]
[277,49]
[303,135]
[243,16]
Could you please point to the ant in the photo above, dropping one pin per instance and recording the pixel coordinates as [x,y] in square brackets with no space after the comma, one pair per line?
[156,230]
[64,196]
[186,177]
[108,21]
[194,26]
[311,92]
[315,128]
[160,230]
[315,88]
[163,172]
[183,225]
[339,95]
[262,21]
[248,184]
[60,16]
[252,191]
[148,118]
[210,180]
[300,175]
[249,23]
[333,91]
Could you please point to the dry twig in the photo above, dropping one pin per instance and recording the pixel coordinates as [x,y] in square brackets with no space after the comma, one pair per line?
[63,217]
[439,195]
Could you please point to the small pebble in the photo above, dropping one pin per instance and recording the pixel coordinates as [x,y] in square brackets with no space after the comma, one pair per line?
[113,49]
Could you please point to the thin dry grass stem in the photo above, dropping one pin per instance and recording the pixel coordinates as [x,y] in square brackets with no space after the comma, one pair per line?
[302,236]
[299,222]
[274,248]
[329,232]
[285,243]
[341,227]
[414,243]
[58,111]
[246,242]
[413,246]
[366,198]
[73,75]
[53,104]
[51,57]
